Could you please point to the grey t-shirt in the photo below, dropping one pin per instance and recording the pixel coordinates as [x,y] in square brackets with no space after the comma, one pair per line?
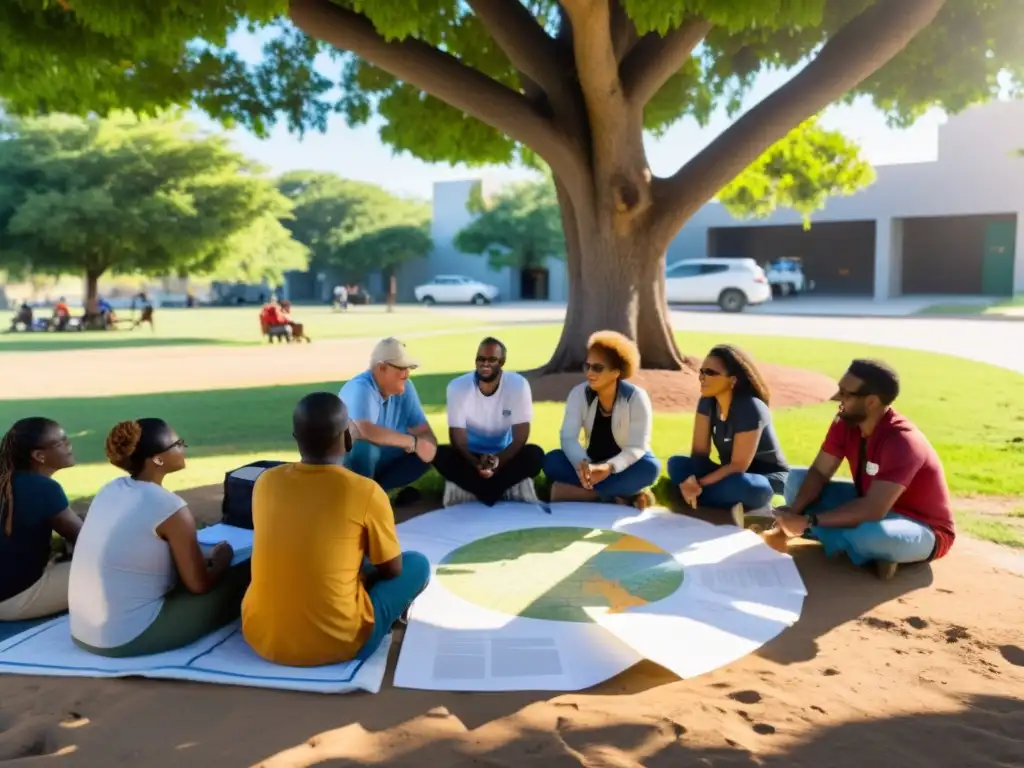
[746,414]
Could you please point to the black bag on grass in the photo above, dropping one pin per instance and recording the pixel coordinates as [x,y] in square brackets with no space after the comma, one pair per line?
[238,484]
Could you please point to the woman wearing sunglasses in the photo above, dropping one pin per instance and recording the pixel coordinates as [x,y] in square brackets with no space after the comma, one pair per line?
[733,415]
[139,582]
[614,462]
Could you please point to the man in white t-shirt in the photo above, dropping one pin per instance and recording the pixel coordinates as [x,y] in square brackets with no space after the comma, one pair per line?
[489,415]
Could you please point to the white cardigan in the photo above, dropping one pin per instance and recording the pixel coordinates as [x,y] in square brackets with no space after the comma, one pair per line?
[632,420]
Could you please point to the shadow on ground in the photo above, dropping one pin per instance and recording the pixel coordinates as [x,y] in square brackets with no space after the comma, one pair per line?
[59,342]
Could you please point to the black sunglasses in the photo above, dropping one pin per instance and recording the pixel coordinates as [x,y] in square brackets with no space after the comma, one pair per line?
[708,372]
[179,443]
[595,367]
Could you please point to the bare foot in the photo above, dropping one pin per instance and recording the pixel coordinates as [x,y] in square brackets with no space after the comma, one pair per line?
[776,539]
[644,499]
[566,492]
[885,570]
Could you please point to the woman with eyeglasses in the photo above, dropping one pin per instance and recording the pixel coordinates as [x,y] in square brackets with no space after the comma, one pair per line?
[614,462]
[33,506]
[140,584]
[732,415]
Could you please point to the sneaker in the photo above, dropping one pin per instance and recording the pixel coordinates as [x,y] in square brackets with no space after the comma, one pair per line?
[739,518]
[523,491]
[454,495]
[407,496]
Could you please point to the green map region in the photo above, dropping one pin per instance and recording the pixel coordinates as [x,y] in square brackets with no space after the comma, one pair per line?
[558,573]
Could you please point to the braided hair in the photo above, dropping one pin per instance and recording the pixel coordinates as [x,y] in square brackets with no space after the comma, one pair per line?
[130,443]
[739,364]
[16,447]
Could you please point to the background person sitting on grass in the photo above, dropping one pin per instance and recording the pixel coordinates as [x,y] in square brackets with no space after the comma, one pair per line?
[897,508]
[732,414]
[489,415]
[329,578]
[32,506]
[614,463]
[394,443]
[139,582]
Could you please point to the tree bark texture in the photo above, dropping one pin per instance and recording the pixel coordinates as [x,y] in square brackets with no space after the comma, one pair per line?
[581,107]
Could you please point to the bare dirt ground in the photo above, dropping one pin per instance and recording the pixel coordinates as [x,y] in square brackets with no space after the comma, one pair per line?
[923,671]
[138,370]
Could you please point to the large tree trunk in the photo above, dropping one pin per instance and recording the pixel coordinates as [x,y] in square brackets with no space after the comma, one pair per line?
[616,283]
[92,285]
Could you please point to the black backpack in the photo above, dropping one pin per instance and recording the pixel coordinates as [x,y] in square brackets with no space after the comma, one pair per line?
[236,508]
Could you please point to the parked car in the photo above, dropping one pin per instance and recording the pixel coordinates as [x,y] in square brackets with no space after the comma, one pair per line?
[455,289]
[732,284]
[786,277]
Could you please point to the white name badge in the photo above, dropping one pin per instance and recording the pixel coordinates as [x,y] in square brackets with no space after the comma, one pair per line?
[871,468]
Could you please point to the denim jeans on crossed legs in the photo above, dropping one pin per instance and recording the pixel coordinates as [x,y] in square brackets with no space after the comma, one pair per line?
[638,476]
[895,538]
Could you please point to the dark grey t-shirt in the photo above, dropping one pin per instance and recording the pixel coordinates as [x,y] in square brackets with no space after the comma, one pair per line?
[745,415]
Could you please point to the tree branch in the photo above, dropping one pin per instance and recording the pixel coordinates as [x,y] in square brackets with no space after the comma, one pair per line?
[858,50]
[441,75]
[530,49]
[655,59]
[624,34]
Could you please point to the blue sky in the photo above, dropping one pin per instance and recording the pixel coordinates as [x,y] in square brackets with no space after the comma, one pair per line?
[359,154]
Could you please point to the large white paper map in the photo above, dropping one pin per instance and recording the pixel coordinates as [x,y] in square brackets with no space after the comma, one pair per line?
[521,599]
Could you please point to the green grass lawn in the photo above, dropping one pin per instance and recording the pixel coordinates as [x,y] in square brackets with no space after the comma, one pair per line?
[1008,308]
[239,325]
[973,413]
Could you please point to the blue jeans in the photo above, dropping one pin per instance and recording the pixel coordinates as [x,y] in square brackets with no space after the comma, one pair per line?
[391,467]
[618,485]
[390,598]
[750,490]
[895,538]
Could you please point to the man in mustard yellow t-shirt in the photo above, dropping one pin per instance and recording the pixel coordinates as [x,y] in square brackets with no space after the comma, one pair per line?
[328,576]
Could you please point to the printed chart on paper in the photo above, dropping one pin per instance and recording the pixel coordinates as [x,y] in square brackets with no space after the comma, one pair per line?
[525,600]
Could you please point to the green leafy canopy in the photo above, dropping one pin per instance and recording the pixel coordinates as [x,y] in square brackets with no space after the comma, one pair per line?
[519,227]
[352,226]
[149,195]
[105,54]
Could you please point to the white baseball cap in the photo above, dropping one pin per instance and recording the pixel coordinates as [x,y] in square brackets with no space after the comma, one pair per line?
[392,352]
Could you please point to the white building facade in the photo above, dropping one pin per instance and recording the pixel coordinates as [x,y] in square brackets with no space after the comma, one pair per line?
[952,226]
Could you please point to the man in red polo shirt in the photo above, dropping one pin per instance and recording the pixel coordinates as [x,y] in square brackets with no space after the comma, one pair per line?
[897,508]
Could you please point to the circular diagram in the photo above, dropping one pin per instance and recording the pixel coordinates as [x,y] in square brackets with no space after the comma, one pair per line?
[561,598]
[557,573]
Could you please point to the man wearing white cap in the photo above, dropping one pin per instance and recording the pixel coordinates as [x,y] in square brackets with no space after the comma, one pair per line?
[394,444]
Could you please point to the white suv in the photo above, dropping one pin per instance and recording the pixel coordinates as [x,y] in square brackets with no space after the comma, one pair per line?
[455,289]
[732,284]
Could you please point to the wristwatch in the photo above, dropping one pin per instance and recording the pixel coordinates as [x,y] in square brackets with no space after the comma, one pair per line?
[812,520]
[412,448]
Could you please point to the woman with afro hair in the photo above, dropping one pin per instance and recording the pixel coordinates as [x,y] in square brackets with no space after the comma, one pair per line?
[614,462]
[733,416]
[140,584]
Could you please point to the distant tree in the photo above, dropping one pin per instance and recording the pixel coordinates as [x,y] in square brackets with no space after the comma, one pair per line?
[355,227]
[519,227]
[573,84]
[129,194]
[262,252]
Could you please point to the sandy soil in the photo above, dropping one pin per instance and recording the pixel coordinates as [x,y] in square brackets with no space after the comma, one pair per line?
[926,670]
[680,390]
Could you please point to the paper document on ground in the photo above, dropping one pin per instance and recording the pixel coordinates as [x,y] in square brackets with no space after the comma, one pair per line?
[240,540]
[221,657]
[525,600]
